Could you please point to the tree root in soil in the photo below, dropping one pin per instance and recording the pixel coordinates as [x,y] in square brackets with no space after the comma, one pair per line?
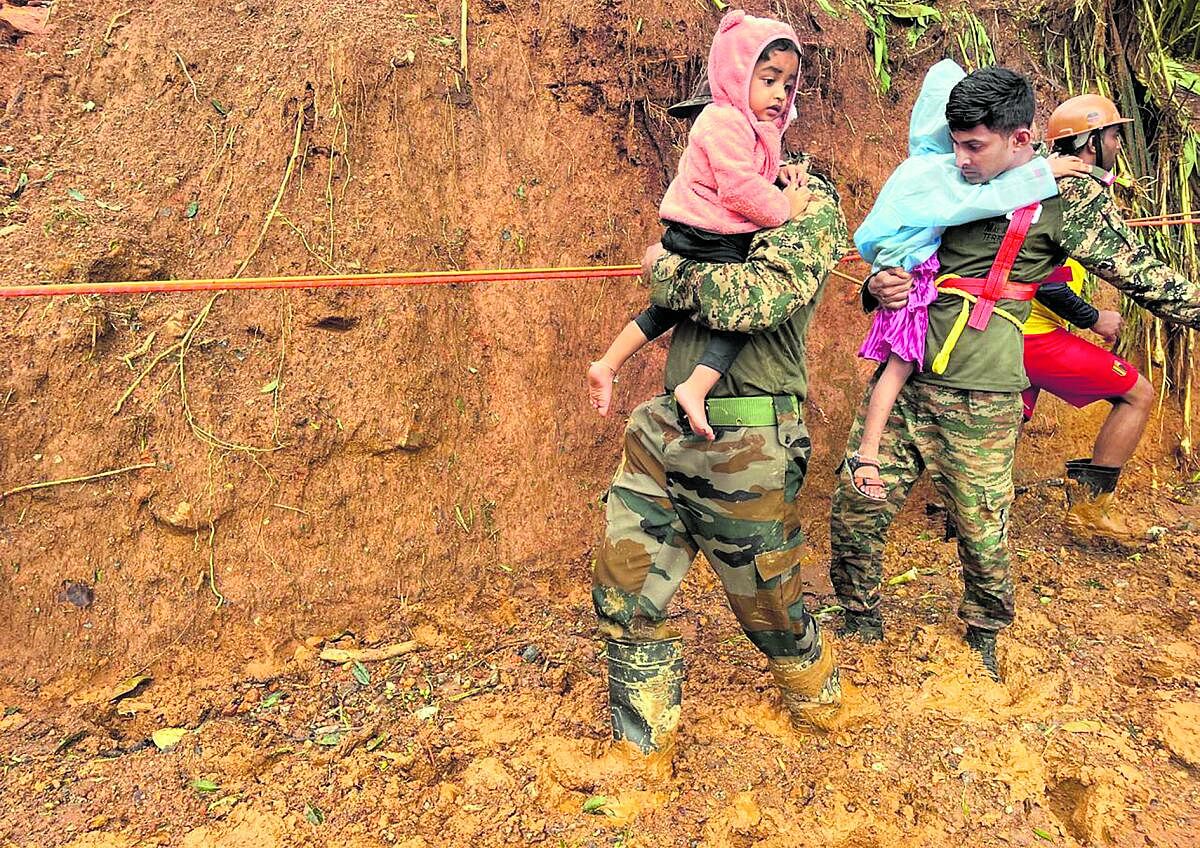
[85,479]
[287,177]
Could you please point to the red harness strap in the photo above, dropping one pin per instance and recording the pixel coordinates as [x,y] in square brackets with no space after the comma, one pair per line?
[1006,257]
[1011,291]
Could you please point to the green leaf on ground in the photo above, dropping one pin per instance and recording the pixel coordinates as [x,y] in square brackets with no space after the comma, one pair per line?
[595,804]
[69,740]
[905,577]
[202,785]
[76,194]
[314,815]
[168,737]
[192,210]
[360,673]
[128,686]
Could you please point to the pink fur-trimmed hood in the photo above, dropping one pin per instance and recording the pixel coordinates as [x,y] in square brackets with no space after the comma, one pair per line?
[735,50]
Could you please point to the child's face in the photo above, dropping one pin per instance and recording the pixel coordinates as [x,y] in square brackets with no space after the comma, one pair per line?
[772,83]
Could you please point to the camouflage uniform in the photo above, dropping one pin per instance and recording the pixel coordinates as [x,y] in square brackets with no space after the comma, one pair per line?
[966,437]
[734,499]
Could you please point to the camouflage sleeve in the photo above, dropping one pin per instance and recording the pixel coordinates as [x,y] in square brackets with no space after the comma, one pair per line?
[782,273]
[1096,236]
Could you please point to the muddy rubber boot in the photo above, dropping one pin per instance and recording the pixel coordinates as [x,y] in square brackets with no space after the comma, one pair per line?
[983,642]
[1092,513]
[645,688]
[811,688]
[867,626]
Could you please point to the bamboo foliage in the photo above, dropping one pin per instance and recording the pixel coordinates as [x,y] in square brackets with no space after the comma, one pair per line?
[1143,54]
[959,26]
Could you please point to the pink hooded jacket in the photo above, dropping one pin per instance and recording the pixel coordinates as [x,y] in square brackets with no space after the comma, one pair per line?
[725,182]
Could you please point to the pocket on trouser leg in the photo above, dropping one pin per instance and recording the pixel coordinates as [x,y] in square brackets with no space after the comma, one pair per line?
[774,563]
[766,614]
[797,449]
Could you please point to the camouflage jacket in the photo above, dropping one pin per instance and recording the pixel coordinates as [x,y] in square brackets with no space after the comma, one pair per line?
[784,270]
[1097,237]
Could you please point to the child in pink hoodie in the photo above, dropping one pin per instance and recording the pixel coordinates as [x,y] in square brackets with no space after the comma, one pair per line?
[723,193]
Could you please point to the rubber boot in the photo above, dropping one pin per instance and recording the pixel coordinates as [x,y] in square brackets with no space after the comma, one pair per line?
[645,687]
[811,688]
[983,642]
[1091,505]
[867,626]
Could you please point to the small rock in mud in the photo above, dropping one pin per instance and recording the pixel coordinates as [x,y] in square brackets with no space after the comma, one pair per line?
[80,594]
[176,326]
[1181,731]
[182,517]
[531,653]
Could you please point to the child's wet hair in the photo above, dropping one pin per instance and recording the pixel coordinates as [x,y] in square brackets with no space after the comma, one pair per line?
[779,44]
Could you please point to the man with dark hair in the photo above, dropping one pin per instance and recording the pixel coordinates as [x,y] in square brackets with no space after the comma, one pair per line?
[995,100]
[1078,371]
[958,416]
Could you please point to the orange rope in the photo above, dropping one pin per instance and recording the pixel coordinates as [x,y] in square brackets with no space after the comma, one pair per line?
[417,278]
[414,278]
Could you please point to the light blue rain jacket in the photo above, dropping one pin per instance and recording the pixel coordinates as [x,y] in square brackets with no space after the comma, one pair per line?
[927,193]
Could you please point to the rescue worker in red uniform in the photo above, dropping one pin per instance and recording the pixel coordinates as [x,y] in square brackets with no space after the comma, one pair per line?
[1075,369]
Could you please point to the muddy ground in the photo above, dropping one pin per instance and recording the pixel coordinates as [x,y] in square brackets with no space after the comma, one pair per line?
[417,468]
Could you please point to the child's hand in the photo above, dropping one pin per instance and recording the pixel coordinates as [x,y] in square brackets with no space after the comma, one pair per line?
[798,198]
[794,175]
[653,252]
[1068,166]
[1108,325]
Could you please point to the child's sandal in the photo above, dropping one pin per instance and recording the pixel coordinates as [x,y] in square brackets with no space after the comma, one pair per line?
[854,463]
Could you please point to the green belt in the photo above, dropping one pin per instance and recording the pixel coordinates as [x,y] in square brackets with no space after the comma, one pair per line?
[762,411]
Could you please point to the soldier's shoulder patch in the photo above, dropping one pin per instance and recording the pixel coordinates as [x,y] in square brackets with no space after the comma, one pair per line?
[1119,368]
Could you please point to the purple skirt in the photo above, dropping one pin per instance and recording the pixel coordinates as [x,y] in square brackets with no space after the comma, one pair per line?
[901,332]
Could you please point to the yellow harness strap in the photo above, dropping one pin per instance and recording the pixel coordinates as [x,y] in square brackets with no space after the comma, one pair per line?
[968,300]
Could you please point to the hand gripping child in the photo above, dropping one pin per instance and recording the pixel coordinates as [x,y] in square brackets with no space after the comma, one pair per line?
[723,192]
[921,198]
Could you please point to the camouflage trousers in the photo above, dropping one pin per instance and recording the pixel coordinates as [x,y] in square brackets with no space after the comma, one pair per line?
[966,440]
[734,499]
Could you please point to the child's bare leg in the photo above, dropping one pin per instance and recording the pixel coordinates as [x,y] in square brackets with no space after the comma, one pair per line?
[603,372]
[879,409]
[691,394]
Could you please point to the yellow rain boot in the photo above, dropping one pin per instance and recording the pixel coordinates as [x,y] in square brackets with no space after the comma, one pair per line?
[1092,514]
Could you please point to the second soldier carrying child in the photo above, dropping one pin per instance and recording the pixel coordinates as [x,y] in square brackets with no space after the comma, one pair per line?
[723,193]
